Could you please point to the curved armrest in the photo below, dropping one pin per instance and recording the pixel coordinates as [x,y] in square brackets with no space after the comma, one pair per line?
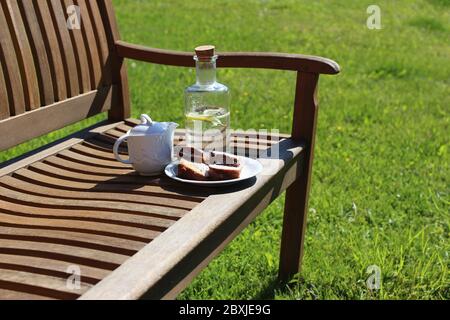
[279,61]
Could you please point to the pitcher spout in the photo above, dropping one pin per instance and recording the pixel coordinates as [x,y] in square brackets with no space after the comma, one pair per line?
[172,126]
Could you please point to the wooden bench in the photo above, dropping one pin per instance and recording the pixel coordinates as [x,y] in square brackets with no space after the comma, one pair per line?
[70,205]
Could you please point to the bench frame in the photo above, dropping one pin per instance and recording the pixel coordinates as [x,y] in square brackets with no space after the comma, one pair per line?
[166,281]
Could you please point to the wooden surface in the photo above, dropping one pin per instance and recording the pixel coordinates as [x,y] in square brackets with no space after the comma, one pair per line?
[73,204]
[296,204]
[122,109]
[4,104]
[43,63]
[165,266]
[18,129]
[279,61]
[25,56]
[38,47]
[11,70]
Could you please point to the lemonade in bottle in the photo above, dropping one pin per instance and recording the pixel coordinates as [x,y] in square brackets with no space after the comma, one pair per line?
[207,105]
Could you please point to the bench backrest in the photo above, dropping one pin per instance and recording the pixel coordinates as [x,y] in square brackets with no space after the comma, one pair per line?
[57,66]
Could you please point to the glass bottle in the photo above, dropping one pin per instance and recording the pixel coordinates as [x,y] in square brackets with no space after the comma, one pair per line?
[207,105]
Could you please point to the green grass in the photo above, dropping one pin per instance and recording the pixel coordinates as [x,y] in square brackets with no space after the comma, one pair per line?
[380,192]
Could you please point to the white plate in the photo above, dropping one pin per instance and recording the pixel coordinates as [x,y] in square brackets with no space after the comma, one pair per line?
[251,169]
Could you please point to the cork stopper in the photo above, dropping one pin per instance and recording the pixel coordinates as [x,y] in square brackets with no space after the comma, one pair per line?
[205,53]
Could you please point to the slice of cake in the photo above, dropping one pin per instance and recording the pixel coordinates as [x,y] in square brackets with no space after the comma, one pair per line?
[198,165]
[223,166]
[221,158]
[219,172]
[192,170]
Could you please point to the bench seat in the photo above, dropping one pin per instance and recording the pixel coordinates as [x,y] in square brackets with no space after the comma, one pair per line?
[72,207]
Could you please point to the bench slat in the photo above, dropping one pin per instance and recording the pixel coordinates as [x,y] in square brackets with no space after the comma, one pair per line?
[123,246]
[22,290]
[17,295]
[71,73]
[110,230]
[103,146]
[50,267]
[30,188]
[162,215]
[40,179]
[46,240]
[4,103]
[8,58]
[103,217]
[60,87]
[79,45]
[35,123]
[24,57]
[110,164]
[42,281]
[84,256]
[101,40]
[237,139]
[99,154]
[91,45]
[41,58]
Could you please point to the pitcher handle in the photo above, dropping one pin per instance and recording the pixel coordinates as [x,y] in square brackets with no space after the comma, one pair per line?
[116,149]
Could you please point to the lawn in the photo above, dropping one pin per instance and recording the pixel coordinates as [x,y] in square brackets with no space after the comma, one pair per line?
[380,192]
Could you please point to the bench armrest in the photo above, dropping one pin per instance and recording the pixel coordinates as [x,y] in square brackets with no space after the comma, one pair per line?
[263,60]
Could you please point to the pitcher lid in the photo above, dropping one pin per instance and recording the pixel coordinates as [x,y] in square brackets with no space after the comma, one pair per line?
[150,127]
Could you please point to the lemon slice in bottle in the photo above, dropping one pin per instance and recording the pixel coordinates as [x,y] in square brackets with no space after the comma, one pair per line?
[213,117]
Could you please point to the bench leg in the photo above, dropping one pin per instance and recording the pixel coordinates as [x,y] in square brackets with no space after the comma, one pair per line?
[294,226]
[295,210]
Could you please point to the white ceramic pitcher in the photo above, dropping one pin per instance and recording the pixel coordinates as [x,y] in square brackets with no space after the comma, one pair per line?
[150,146]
